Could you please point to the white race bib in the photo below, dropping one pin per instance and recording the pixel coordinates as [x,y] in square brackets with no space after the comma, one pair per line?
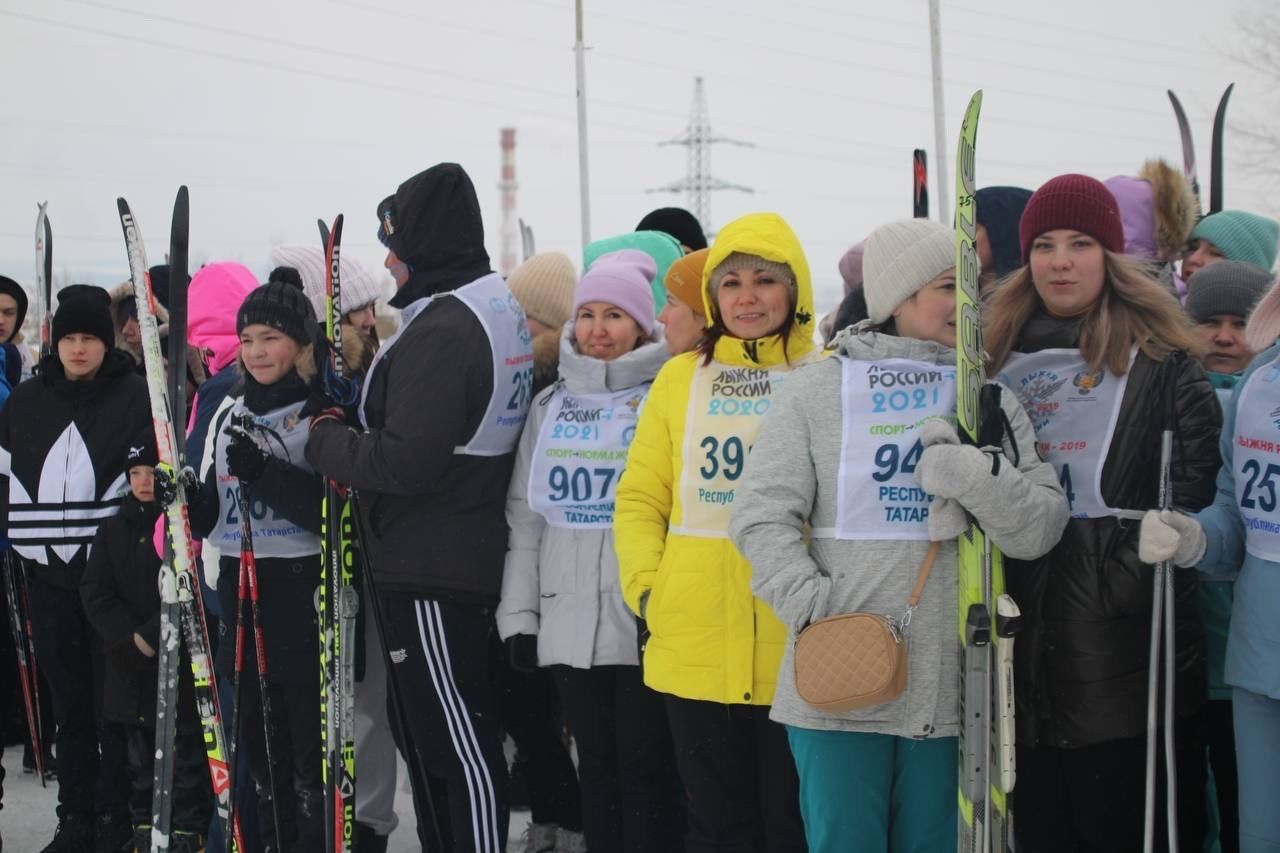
[579,456]
[1074,411]
[504,325]
[284,435]
[1255,460]
[883,404]
[726,406]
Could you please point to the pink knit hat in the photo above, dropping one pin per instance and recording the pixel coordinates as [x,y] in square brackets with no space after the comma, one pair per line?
[621,278]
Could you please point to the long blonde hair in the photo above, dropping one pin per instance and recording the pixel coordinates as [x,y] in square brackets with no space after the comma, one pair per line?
[1133,308]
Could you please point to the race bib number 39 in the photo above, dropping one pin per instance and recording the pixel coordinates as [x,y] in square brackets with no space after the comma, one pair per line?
[726,408]
[883,404]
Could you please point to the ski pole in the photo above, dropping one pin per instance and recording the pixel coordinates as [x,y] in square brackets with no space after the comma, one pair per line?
[1162,623]
[24,586]
[410,747]
[248,587]
[26,673]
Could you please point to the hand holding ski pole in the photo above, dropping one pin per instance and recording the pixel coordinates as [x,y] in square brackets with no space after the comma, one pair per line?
[1169,535]
[246,460]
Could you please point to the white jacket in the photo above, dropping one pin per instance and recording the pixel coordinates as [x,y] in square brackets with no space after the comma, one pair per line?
[559,583]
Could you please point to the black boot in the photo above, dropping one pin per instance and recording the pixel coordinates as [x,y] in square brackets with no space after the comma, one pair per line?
[112,834]
[73,835]
[368,841]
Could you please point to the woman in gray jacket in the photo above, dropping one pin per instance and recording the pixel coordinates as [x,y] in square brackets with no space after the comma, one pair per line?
[561,602]
[856,469]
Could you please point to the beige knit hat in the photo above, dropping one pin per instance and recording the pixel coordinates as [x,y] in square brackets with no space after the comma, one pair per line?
[900,258]
[543,285]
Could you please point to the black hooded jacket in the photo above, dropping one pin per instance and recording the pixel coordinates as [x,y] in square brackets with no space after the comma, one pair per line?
[122,597]
[1080,661]
[436,520]
[62,445]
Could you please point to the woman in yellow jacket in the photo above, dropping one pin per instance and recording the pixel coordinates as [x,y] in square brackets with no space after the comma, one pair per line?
[714,648]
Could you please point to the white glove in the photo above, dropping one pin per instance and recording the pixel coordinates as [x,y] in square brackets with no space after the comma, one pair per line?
[1169,535]
[947,519]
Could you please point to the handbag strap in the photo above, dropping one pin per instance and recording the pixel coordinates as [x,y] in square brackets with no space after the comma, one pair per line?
[926,565]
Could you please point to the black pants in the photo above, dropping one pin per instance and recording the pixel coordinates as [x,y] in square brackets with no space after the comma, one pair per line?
[739,778]
[440,653]
[192,796]
[1220,735]
[63,648]
[1091,798]
[630,790]
[530,710]
[295,743]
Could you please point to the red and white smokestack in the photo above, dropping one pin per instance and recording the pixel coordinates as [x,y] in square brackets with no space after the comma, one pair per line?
[508,187]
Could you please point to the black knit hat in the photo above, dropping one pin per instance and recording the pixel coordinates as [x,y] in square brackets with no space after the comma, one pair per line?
[142,451]
[84,309]
[679,223]
[160,284]
[11,288]
[280,305]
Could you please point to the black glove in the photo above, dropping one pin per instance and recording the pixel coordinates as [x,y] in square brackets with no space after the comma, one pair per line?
[166,484]
[522,652]
[246,460]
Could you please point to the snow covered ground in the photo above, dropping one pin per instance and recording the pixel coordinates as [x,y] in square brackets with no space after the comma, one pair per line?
[28,819]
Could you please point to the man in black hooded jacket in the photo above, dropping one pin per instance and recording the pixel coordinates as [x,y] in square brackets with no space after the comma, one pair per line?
[442,409]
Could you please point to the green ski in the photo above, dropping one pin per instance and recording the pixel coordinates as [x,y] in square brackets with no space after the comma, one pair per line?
[986,675]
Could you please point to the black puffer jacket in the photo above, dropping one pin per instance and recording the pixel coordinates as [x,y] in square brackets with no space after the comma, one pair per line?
[121,597]
[1081,658]
[436,519]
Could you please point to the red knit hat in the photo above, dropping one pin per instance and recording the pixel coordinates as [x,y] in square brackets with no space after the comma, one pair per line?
[1077,202]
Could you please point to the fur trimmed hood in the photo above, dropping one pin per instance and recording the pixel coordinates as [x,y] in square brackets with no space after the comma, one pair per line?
[1158,210]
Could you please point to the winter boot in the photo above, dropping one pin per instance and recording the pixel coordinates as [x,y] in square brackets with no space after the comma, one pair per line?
[112,835]
[73,835]
[186,842]
[568,841]
[537,838]
[369,841]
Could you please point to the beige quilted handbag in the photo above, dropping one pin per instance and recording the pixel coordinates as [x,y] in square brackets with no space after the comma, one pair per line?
[857,660]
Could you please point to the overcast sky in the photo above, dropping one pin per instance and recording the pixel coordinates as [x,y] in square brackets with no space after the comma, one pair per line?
[276,112]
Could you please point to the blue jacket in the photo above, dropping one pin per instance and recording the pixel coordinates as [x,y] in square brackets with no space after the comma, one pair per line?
[1253,644]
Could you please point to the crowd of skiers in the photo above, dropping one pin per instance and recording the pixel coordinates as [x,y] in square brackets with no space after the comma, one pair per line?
[611,501]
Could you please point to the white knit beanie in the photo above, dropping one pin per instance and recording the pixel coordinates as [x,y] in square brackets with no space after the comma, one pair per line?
[900,258]
[359,288]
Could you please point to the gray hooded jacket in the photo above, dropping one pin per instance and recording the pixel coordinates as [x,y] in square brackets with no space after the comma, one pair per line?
[790,485]
[558,583]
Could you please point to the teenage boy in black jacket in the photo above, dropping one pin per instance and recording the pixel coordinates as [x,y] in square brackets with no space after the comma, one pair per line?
[62,436]
[122,600]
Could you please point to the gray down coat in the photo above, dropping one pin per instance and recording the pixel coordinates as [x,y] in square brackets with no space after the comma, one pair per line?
[560,583]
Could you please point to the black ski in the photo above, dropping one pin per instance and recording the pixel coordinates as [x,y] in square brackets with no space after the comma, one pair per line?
[338,601]
[181,572]
[920,184]
[169,654]
[1188,146]
[1215,153]
[44,277]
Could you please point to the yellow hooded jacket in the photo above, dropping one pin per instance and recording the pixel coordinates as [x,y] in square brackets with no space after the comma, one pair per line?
[711,639]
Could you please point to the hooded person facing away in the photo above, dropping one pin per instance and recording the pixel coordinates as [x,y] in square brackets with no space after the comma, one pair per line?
[442,409]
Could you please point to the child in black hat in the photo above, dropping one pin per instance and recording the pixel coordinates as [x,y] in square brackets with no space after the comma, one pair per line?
[122,600]
[258,446]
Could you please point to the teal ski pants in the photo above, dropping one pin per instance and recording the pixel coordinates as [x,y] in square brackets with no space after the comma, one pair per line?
[1257,720]
[871,792]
